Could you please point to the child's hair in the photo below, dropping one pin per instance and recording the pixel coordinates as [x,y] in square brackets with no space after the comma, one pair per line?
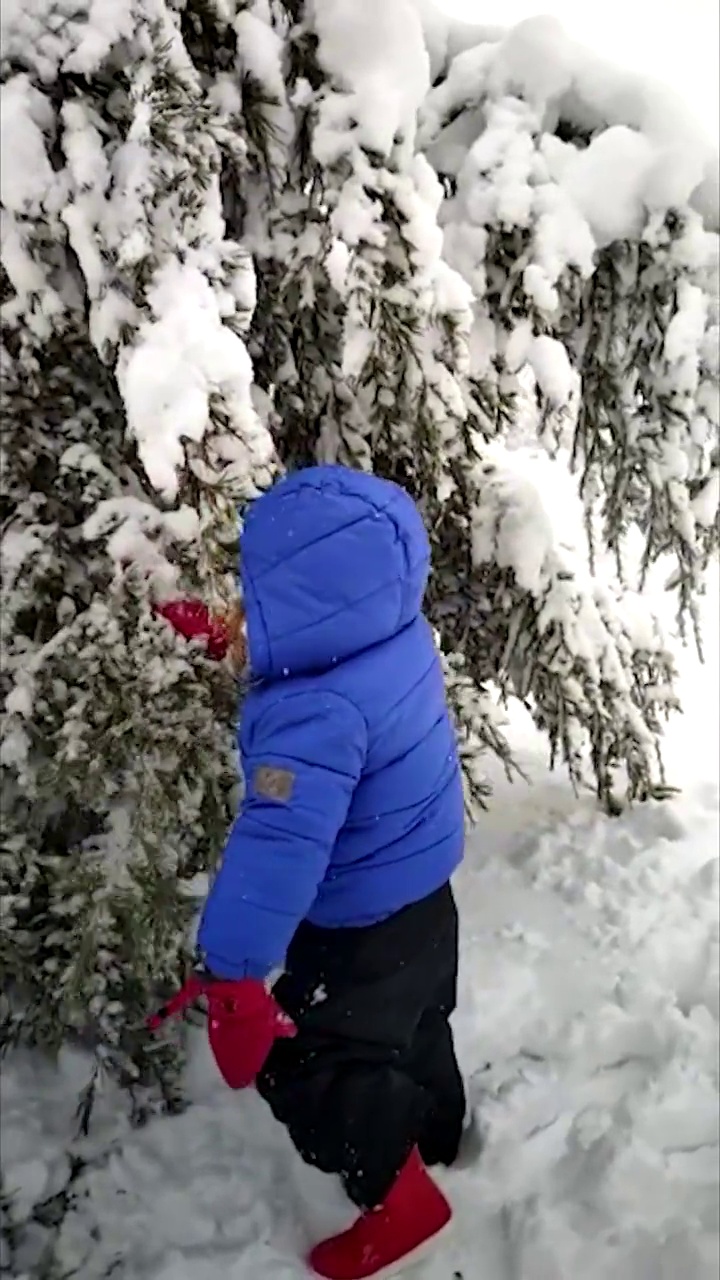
[233,618]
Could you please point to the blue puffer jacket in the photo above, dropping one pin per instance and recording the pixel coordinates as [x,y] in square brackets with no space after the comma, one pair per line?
[353,805]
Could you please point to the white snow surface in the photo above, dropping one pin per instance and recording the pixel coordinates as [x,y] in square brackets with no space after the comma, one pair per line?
[588,1029]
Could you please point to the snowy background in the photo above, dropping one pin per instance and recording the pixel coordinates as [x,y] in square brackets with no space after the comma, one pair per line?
[588,1028]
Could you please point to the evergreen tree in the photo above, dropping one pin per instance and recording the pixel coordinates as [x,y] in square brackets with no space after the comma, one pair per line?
[242,236]
[124,305]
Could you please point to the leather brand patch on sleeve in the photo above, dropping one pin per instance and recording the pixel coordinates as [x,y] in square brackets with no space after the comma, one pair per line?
[274,784]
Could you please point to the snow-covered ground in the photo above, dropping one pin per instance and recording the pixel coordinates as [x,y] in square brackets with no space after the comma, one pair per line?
[589,986]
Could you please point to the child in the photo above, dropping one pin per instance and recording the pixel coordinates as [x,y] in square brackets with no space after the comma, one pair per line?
[337,868]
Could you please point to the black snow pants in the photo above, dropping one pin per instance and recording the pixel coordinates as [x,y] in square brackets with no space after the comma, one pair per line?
[372,1071]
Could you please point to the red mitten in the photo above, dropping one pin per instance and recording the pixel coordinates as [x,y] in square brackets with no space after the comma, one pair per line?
[193,620]
[244,1021]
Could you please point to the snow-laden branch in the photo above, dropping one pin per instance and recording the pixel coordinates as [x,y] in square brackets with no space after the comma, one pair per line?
[539,62]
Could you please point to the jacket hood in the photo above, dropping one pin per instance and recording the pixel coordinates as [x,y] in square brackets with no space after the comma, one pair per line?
[332,561]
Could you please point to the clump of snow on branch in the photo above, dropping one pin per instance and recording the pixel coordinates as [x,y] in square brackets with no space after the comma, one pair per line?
[377,56]
[184,356]
[599,644]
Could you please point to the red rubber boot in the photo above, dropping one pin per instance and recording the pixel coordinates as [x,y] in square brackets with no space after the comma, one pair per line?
[384,1241]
